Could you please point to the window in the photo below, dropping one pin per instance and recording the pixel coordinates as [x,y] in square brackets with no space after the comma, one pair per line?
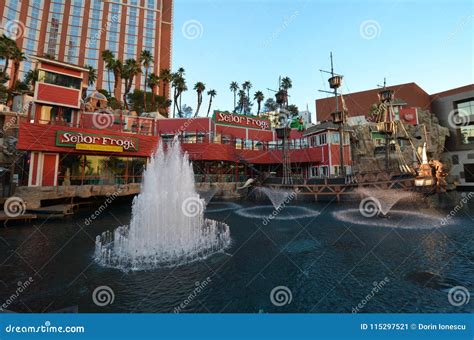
[469,173]
[313,171]
[322,139]
[466,134]
[465,109]
[455,159]
[335,138]
[323,171]
[59,79]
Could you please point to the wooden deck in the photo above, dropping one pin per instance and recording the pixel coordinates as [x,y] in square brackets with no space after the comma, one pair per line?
[59,210]
[27,217]
[337,190]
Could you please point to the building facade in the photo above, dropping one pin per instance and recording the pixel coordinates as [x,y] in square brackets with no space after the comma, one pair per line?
[77,31]
[455,110]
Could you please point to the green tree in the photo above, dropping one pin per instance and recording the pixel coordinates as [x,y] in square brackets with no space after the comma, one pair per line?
[286,84]
[246,86]
[270,105]
[7,50]
[234,87]
[92,75]
[199,87]
[131,69]
[258,96]
[153,81]
[211,94]
[31,77]
[146,59]
[109,60]
[166,76]
[293,109]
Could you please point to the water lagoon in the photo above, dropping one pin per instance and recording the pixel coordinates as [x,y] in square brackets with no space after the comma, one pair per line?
[326,262]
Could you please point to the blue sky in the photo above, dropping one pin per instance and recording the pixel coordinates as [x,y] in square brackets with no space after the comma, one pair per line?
[218,41]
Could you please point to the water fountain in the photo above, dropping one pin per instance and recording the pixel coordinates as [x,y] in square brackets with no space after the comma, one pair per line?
[383,200]
[377,209]
[277,197]
[207,195]
[167,225]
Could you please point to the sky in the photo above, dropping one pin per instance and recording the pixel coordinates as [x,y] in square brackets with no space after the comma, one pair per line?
[218,41]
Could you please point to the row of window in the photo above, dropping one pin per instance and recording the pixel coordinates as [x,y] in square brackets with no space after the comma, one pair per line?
[322,171]
[59,79]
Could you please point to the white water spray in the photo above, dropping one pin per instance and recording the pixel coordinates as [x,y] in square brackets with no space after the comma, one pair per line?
[168,225]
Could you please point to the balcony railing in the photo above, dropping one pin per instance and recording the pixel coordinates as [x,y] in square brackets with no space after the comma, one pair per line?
[110,122]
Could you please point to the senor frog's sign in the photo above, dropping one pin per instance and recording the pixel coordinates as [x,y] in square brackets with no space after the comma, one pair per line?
[92,142]
[240,120]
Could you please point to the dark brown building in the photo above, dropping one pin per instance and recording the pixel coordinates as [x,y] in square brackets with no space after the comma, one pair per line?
[359,103]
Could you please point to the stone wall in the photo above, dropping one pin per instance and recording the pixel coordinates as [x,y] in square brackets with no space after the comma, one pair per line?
[428,129]
[33,196]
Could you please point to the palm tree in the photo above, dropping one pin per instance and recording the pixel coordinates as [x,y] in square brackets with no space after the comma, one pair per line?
[286,84]
[234,87]
[211,94]
[145,59]
[109,59]
[241,100]
[181,88]
[117,69]
[246,86]
[166,76]
[178,83]
[31,77]
[17,56]
[7,49]
[258,96]
[92,75]
[153,81]
[130,69]
[199,87]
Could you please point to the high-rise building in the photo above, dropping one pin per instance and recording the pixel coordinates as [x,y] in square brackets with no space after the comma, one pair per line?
[77,31]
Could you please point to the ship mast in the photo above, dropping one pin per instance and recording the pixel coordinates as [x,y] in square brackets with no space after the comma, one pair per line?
[338,117]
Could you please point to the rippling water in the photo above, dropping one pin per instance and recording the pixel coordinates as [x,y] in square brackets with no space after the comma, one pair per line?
[328,263]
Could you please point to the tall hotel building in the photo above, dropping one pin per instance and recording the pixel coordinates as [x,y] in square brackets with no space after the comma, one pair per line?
[77,31]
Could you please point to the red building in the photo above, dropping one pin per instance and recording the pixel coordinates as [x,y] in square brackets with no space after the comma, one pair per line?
[67,146]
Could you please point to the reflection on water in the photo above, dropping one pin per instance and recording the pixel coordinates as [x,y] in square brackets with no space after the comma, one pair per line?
[328,264]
